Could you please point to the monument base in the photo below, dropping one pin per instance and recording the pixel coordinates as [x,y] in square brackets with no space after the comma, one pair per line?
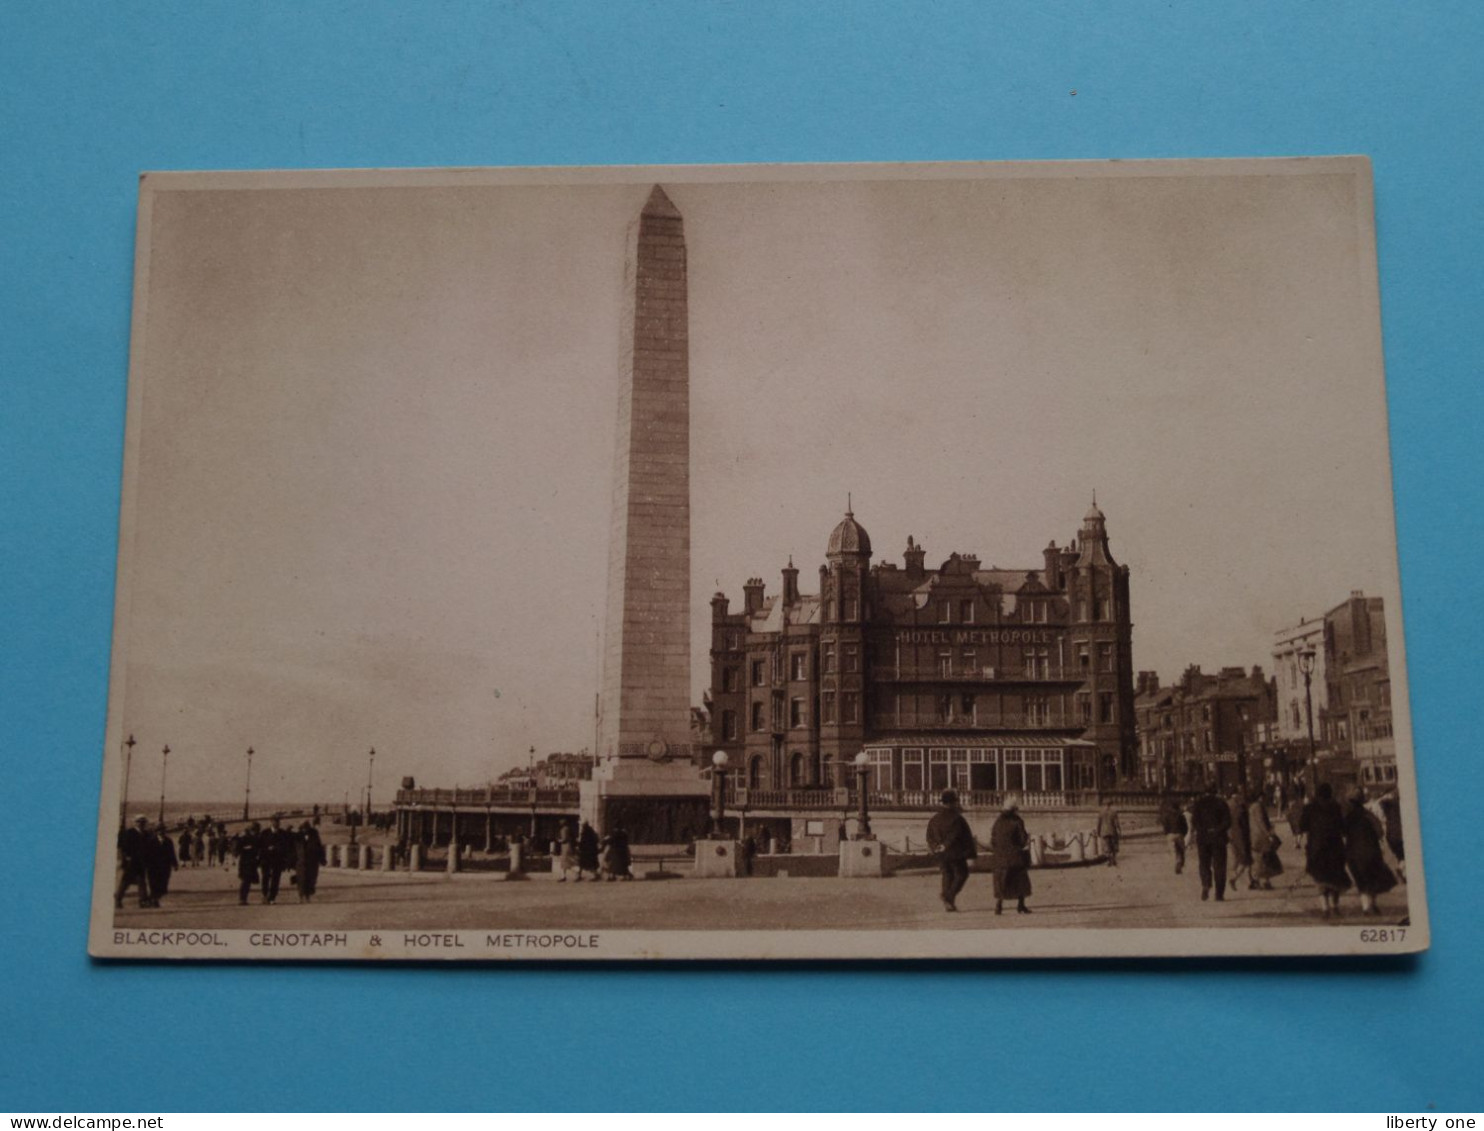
[861,859]
[717,859]
[655,803]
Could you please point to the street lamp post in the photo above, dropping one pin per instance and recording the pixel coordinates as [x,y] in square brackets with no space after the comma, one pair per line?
[370,769]
[164,766]
[862,812]
[1306,665]
[345,805]
[718,792]
[128,765]
[247,793]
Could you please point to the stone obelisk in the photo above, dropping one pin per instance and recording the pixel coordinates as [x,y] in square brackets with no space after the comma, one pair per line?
[645,771]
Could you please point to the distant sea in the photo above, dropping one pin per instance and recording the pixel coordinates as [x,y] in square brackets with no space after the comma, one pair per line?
[176,812]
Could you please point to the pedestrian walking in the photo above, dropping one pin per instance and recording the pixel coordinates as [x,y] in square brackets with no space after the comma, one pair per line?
[1211,822]
[186,845]
[1265,843]
[566,852]
[623,856]
[246,848]
[1010,849]
[133,862]
[162,862]
[1176,828]
[589,850]
[309,855]
[1323,823]
[275,852]
[1295,816]
[1110,832]
[1363,836]
[949,836]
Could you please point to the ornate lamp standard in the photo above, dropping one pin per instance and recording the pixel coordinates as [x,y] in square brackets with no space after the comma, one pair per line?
[164,765]
[862,814]
[719,762]
[128,765]
[1306,665]
[370,768]
[247,793]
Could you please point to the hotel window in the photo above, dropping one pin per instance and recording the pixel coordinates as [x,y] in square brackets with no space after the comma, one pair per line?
[827,706]
[757,716]
[944,707]
[850,607]
[852,658]
[1105,706]
[798,665]
[1099,607]
[971,661]
[912,769]
[938,769]
[829,657]
[729,679]
[1084,658]
[1037,710]
[983,770]
[778,708]
[1084,707]
[966,612]
[968,704]
[850,706]
[829,609]
[878,766]
[728,725]
[945,611]
[945,664]
[795,712]
[759,673]
[1105,657]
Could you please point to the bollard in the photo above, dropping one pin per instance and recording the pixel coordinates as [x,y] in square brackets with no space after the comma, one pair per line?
[365,863]
[453,858]
[335,856]
[415,858]
[1038,848]
[1079,848]
[388,858]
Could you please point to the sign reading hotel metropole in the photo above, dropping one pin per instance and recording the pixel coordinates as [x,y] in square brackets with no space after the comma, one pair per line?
[378,421]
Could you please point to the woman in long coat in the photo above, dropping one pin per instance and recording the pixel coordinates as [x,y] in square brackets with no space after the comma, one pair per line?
[587,852]
[1324,825]
[1363,854]
[1010,847]
[309,854]
[1265,862]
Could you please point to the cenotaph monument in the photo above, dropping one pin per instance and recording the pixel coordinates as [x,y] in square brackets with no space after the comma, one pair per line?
[647,779]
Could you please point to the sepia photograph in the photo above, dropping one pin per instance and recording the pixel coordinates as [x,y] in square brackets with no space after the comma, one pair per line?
[758,562]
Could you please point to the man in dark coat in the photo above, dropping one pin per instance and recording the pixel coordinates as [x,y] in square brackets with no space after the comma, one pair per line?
[162,862]
[1212,819]
[1010,847]
[1323,824]
[133,862]
[245,845]
[949,835]
[275,852]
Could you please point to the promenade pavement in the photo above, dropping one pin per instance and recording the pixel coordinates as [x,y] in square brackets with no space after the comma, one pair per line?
[1142,891]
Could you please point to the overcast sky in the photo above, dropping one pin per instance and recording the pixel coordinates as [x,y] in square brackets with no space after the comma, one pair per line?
[372,433]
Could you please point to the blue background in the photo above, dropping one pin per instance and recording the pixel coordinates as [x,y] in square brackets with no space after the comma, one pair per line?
[93,93]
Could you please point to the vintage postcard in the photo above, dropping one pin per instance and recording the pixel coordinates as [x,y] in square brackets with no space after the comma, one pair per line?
[857,561]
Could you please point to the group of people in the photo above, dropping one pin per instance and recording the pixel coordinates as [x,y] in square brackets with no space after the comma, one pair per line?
[952,841]
[1231,835]
[582,851]
[263,855]
[1234,835]
[148,856]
